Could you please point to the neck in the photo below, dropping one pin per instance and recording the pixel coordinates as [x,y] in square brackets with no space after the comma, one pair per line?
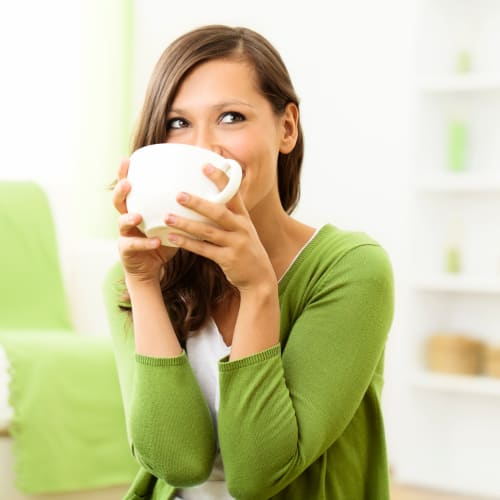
[281,235]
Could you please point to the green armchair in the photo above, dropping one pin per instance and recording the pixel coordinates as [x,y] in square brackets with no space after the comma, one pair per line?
[68,429]
[31,285]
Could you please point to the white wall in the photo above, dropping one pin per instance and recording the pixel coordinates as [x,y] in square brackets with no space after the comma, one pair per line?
[353,67]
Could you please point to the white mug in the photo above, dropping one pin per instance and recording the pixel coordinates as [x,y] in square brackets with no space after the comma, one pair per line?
[157,173]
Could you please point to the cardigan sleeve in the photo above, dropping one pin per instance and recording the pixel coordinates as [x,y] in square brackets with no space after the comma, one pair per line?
[280,411]
[169,426]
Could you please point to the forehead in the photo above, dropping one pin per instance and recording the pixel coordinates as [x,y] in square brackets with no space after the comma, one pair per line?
[219,78]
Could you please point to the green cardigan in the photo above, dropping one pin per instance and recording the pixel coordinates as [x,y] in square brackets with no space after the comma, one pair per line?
[300,420]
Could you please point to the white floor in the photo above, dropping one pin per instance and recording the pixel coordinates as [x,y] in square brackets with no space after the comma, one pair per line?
[406,492]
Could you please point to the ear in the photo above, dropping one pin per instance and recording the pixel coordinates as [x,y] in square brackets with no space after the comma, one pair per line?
[290,128]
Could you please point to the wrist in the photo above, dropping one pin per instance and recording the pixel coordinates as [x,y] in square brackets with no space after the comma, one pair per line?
[258,324]
[262,295]
[264,289]
[134,282]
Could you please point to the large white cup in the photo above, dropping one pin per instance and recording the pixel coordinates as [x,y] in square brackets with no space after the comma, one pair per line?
[157,173]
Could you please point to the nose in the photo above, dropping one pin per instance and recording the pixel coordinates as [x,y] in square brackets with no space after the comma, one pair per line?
[207,139]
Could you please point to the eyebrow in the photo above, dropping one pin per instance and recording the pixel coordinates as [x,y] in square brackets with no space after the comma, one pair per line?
[217,106]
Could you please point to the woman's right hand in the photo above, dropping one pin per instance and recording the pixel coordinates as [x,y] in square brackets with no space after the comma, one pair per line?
[142,257]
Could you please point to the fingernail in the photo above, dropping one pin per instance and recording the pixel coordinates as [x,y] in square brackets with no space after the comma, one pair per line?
[173,238]
[153,243]
[171,219]
[182,197]
[209,169]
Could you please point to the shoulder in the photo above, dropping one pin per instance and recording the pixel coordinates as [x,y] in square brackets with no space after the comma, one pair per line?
[344,277]
[336,258]
[351,254]
[337,242]
[333,248]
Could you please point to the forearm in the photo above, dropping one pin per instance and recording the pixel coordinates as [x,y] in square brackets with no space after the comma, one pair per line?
[171,425]
[257,325]
[168,420]
[258,430]
[166,397]
[153,330]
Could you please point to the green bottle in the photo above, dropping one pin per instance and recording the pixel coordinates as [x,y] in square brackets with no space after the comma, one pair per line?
[457,146]
[453,260]
[463,62]
[453,246]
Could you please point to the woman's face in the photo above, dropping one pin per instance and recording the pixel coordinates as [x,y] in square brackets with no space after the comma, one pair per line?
[219,107]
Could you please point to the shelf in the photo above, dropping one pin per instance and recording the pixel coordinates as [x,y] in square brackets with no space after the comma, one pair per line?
[460,83]
[458,284]
[462,384]
[459,183]
[457,85]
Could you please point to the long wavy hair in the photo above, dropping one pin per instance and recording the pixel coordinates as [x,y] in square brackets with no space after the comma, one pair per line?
[193,286]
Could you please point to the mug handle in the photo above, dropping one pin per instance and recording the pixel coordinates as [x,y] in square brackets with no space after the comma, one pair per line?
[233,170]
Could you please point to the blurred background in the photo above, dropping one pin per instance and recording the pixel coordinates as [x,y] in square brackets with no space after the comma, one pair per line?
[400,107]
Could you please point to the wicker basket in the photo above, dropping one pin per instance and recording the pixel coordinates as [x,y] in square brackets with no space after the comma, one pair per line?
[451,353]
[492,361]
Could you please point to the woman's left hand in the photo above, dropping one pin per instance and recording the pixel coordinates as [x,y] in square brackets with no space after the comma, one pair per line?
[232,242]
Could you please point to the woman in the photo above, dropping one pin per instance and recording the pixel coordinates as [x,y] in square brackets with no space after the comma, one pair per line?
[252,367]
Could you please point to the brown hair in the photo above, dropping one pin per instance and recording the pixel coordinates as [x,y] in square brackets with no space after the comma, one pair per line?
[192,286]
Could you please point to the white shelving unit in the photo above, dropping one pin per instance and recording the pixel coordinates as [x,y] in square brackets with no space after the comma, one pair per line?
[465,183]
[457,384]
[453,425]
[449,283]
[466,83]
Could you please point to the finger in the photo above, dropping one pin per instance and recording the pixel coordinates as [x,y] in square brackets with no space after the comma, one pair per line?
[215,212]
[127,224]
[123,168]
[216,175]
[128,245]
[198,247]
[200,230]
[119,195]
[220,179]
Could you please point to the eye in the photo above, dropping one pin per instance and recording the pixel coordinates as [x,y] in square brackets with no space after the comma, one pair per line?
[176,123]
[231,117]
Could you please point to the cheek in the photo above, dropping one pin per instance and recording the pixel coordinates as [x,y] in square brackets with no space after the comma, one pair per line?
[253,152]
[242,149]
